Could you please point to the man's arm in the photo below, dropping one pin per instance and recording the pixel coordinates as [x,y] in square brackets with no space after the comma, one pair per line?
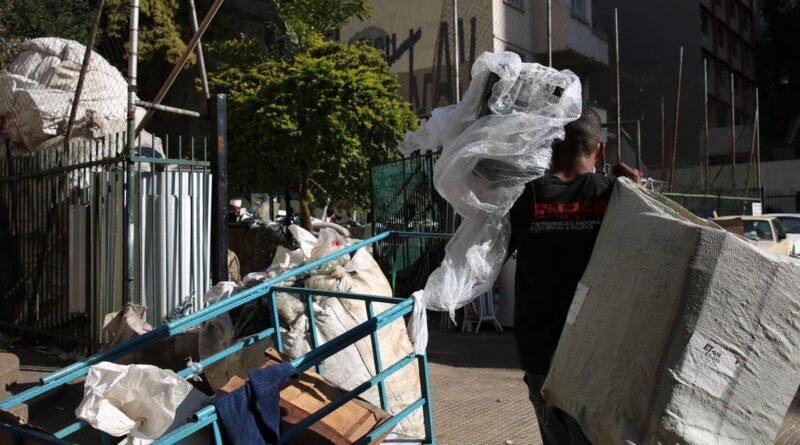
[625,170]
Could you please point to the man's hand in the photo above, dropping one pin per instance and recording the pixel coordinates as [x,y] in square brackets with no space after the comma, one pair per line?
[625,170]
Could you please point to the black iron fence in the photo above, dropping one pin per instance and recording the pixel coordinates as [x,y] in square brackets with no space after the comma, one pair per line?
[777,201]
[64,226]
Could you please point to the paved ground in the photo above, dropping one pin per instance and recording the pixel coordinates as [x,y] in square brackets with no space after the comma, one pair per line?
[478,393]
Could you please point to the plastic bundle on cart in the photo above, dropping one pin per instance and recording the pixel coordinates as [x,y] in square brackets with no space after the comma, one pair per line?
[493,142]
[679,332]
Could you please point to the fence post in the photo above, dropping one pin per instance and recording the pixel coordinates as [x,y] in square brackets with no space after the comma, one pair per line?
[217,108]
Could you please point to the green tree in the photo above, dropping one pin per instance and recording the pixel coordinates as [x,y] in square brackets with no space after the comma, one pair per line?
[312,124]
[300,20]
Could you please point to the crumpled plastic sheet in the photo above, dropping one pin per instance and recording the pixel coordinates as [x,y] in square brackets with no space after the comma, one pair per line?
[137,400]
[485,164]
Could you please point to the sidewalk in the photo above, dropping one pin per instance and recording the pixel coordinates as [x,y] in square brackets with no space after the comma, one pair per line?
[478,393]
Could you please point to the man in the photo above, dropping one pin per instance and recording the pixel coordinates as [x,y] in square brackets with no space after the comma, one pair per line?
[554,226]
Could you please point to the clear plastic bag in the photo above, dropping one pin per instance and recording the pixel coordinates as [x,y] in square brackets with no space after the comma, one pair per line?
[494,142]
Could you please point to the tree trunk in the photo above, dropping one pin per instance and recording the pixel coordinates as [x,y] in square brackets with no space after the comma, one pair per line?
[305,212]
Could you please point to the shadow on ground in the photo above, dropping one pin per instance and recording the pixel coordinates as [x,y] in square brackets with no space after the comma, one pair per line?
[487,349]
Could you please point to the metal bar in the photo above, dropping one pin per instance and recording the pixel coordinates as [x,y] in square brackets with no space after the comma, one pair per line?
[312,322]
[79,369]
[457,55]
[422,235]
[733,134]
[730,198]
[182,61]
[167,108]
[71,429]
[550,34]
[187,430]
[274,306]
[82,76]
[705,123]
[677,116]
[335,294]
[201,62]
[425,392]
[376,355]
[131,189]
[219,222]
[619,103]
[161,161]
[318,415]
[56,170]
[639,146]
[238,346]
[391,423]
[19,434]
[758,144]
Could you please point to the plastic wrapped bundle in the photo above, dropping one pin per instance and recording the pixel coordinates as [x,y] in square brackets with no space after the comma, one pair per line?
[494,142]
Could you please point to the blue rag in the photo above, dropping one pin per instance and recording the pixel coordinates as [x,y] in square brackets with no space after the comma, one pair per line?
[251,415]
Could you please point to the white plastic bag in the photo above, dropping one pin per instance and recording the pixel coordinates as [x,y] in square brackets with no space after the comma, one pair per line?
[137,400]
[485,164]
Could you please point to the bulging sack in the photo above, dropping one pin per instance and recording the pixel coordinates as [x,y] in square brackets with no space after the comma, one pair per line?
[679,332]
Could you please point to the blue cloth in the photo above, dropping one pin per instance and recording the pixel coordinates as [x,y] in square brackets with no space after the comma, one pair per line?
[251,415]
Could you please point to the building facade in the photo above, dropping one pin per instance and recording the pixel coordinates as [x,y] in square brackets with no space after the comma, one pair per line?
[720,32]
[418,39]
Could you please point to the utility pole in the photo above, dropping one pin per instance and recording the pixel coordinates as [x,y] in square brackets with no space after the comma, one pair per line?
[677,117]
[619,104]
[663,140]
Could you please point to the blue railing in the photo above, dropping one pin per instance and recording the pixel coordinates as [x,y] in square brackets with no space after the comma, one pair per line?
[206,416]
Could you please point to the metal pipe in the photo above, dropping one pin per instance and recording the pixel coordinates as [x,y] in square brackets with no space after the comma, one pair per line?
[677,116]
[166,108]
[750,159]
[550,33]
[639,146]
[619,104]
[733,135]
[182,61]
[131,186]
[201,62]
[704,170]
[87,55]
[663,138]
[457,56]
[758,142]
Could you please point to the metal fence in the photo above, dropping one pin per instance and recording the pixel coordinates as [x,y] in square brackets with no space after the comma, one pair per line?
[709,204]
[404,199]
[63,233]
[776,201]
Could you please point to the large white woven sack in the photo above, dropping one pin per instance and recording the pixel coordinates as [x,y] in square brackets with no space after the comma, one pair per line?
[679,332]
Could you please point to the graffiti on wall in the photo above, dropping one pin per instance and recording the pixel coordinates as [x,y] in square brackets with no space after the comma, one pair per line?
[432,85]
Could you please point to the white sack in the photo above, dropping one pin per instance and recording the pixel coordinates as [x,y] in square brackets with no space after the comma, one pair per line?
[138,400]
[679,332]
[486,162]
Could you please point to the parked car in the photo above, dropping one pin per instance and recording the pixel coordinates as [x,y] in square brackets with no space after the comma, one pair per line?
[765,231]
[791,224]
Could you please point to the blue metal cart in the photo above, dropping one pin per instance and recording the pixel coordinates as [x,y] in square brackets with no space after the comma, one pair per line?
[207,417]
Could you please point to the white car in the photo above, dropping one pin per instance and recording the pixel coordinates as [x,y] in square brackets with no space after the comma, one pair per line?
[791,224]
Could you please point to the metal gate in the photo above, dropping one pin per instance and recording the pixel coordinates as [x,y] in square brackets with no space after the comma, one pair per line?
[781,201]
[63,221]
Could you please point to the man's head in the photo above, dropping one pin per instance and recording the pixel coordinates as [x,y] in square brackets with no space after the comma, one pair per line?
[581,147]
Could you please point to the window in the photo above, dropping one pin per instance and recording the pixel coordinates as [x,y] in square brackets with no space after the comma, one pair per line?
[722,36]
[579,8]
[722,77]
[746,23]
[705,21]
[734,45]
[746,55]
[757,229]
[516,3]
[732,10]
[791,225]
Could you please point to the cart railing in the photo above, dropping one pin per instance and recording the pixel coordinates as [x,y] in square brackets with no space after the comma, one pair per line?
[207,416]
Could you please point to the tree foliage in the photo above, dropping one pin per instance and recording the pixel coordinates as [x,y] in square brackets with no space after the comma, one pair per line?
[300,20]
[163,30]
[313,123]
